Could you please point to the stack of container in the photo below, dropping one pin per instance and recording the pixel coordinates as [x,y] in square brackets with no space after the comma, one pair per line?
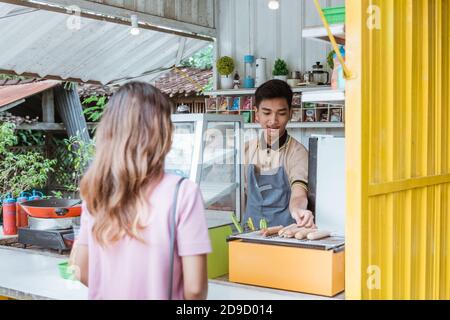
[13,214]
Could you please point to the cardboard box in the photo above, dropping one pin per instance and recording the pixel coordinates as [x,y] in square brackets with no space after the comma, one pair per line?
[311,271]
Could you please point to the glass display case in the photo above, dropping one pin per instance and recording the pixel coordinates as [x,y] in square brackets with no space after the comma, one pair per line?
[208,149]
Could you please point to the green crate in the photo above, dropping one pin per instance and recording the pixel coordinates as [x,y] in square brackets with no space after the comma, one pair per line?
[334,15]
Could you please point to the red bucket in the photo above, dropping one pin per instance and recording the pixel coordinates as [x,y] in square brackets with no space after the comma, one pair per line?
[21,214]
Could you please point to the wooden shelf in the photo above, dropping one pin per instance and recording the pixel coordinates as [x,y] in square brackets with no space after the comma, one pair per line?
[243,92]
[44,126]
[49,126]
[324,96]
[302,125]
[309,94]
[319,33]
[223,111]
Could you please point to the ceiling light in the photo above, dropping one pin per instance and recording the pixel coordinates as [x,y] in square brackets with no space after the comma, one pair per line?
[274,4]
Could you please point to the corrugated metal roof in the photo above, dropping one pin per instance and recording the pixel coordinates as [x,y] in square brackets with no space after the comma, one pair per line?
[39,42]
[84,89]
[10,94]
[14,82]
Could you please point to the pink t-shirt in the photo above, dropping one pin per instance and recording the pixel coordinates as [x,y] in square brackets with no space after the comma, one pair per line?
[130,269]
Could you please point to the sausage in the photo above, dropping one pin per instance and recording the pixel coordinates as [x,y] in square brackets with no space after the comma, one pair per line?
[290,233]
[302,234]
[280,233]
[318,235]
[270,231]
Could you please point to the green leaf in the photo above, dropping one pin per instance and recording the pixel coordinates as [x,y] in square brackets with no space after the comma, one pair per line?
[202,59]
[90,100]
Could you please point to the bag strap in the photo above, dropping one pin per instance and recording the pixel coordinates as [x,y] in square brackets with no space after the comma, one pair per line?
[172,222]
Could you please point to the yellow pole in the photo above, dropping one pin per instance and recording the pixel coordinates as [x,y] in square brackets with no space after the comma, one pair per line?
[347,73]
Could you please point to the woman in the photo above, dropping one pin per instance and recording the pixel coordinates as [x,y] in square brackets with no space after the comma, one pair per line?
[122,251]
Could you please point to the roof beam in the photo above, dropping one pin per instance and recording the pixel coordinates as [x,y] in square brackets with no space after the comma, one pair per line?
[11,105]
[48,106]
[48,77]
[120,15]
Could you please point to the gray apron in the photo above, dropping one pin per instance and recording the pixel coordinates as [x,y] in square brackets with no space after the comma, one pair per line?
[268,198]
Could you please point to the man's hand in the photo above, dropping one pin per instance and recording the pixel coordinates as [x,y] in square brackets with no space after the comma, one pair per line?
[299,200]
[304,218]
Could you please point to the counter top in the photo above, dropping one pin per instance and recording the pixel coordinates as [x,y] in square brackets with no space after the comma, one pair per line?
[26,275]
[222,289]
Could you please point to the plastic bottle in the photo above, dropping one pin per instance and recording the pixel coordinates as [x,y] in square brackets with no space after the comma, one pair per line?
[338,80]
[37,195]
[9,216]
[249,66]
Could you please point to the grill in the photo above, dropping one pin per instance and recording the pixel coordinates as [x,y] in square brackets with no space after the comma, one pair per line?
[331,243]
[14,244]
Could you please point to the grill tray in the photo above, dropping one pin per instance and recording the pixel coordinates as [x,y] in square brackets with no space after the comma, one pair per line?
[330,243]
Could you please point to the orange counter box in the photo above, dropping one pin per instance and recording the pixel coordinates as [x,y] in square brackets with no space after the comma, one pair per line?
[310,271]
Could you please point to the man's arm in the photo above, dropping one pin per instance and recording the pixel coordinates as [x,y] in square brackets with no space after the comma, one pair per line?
[298,207]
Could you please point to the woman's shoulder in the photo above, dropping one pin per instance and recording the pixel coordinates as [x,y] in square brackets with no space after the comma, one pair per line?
[170,181]
[189,192]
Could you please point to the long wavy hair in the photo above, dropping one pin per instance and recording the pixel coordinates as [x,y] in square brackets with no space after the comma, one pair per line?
[132,141]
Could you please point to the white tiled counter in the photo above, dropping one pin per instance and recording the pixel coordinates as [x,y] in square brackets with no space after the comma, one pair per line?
[26,275]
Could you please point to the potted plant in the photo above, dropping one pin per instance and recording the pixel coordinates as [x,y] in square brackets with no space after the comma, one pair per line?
[280,70]
[225,67]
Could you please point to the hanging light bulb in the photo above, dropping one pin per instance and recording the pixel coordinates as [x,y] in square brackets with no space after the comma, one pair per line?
[274,4]
[134,25]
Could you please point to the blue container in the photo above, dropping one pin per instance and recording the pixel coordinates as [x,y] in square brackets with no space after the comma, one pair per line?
[340,71]
[24,196]
[249,79]
[249,59]
[37,195]
[249,83]
[9,198]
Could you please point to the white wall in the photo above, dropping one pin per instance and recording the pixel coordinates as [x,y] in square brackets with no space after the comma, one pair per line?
[250,27]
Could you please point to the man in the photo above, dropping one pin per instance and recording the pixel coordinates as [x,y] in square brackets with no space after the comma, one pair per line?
[276,169]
